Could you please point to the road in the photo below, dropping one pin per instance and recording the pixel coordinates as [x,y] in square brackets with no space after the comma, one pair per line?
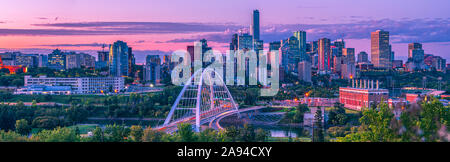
[215,122]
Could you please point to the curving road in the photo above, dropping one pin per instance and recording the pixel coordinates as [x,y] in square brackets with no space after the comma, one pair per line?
[215,122]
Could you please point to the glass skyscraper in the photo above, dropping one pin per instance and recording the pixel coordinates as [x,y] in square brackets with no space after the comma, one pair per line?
[380,49]
[118,59]
[254,29]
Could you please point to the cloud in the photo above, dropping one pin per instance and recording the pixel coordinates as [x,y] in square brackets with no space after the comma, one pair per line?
[139,41]
[403,30]
[75,45]
[41,18]
[116,28]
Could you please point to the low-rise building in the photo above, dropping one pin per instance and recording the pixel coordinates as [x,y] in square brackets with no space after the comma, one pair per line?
[362,94]
[45,90]
[80,85]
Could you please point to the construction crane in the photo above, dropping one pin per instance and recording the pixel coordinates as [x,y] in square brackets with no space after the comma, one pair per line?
[12,68]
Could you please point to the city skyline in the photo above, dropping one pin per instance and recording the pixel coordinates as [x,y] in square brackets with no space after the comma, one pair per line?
[85,26]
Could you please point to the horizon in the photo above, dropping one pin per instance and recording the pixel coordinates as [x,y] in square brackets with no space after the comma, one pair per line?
[157,27]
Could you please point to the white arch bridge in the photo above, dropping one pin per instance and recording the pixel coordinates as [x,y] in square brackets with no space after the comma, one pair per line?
[203,98]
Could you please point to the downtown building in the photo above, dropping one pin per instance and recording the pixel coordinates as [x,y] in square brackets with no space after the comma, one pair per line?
[79,85]
[362,94]
[152,69]
[118,59]
[324,55]
[381,49]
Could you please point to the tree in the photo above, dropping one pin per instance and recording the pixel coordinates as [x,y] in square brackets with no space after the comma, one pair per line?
[45,122]
[116,133]
[17,82]
[261,135]
[300,111]
[151,135]
[98,135]
[232,133]
[12,136]
[57,135]
[186,132]
[136,133]
[247,133]
[22,127]
[318,126]
[375,126]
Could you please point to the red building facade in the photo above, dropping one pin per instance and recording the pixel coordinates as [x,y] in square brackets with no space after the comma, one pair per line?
[362,94]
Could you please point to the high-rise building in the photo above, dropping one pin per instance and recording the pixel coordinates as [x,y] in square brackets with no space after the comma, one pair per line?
[348,71]
[274,45]
[254,28]
[349,55]
[363,57]
[57,60]
[131,62]
[301,37]
[87,60]
[234,42]
[304,71]
[118,59]
[435,62]
[245,42]
[340,43]
[28,60]
[416,57]
[323,50]
[380,49]
[152,69]
[413,46]
[290,54]
[103,56]
[72,60]
[43,60]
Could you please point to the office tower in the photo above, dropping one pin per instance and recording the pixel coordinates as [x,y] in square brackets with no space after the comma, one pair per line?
[118,59]
[72,60]
[392,55]
[416,57]
[245,42]
[103,56]
[349,55]
[28,60]
[43,60]
[323,50]
[258,46]
[340,43]
[314,46]
[363,57]
[413,46]
[234,42]
[254,28]
[86,60]
[190,50]
[315,60]
[274,45]
[304,71]
[337,62]
[131,61]
[301,37]
[152,69]
[9,58]
[57,60]
[290,54]
[380,49]
[348,71]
